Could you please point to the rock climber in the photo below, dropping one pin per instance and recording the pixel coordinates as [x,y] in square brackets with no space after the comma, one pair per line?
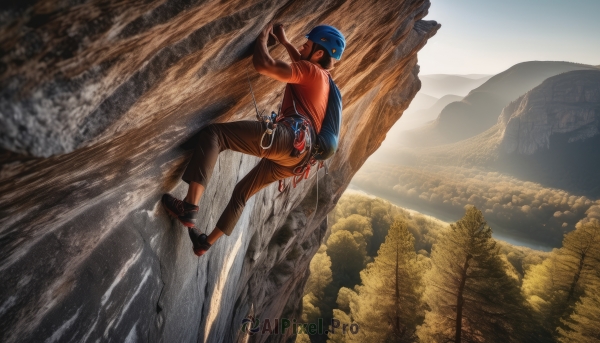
[304,105]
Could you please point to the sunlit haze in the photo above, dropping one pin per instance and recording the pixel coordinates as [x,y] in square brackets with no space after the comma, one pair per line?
[487,37]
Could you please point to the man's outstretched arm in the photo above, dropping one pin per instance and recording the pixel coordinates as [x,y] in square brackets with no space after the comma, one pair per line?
[282,38]
[264,63]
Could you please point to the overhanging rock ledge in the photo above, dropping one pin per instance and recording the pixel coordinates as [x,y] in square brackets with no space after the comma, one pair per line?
[96,100]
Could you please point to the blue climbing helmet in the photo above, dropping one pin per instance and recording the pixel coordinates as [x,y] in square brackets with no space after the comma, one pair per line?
[330,38]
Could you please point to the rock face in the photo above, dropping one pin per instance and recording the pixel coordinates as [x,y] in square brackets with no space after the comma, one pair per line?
[550,135]
[568,104]
[96,100]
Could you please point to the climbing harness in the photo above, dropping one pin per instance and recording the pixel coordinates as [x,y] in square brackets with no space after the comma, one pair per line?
[271,126]
[302,128]
[304,136]
[270,121]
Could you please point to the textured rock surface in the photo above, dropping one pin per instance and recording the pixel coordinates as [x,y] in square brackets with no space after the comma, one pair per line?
[96,99]
[568,103]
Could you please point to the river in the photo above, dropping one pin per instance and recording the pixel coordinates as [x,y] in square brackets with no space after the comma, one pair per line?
[498,232]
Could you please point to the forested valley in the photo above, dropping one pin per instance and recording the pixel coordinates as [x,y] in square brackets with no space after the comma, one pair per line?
[405,277]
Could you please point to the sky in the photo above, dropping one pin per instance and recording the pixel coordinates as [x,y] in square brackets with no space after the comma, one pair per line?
[489,36]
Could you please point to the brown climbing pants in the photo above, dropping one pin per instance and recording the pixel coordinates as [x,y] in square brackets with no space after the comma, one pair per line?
[243,136]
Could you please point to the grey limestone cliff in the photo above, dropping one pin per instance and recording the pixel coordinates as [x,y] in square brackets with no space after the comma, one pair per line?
[567,104]
[96,99]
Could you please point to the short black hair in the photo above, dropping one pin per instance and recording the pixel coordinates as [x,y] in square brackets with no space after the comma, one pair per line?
[326,61]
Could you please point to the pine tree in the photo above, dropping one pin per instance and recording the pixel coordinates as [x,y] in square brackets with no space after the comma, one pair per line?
[471,295]
[347,258]
[388,303]
[302,338]
[580,257]
[320,275]
[310,308]
[554,286]
[359,226]
[338,336]
[345,297]
[380,213]
[584,324]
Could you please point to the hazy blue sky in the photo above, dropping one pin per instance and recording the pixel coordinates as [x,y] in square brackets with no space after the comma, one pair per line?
[489,36]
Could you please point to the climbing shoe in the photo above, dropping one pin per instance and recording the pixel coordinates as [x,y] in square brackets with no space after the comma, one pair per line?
[183,211]
[199,241]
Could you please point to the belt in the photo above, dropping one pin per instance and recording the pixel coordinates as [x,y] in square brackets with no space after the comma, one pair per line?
[303,132]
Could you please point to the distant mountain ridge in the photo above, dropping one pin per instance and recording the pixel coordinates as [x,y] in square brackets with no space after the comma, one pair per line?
[421,101]
[549,135]
[552,133]
[568,104]
[416,118]
[468,76]
[437,91]
[480,109]
[439,85]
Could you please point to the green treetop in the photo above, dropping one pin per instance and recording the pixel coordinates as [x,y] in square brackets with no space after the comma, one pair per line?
[387,307]
[554,286]
[471,295]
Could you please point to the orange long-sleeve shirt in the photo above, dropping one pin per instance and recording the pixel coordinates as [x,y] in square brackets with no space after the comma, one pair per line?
[311,87]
